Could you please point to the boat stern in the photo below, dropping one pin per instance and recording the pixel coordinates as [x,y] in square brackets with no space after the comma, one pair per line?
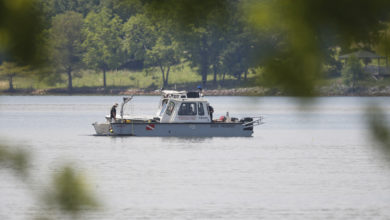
[102,128]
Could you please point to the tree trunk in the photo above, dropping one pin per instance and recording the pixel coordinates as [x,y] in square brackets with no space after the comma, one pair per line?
[11,84]
[223,78]
[245,75]
[204,79]
[166,77]
[215,75]
[353,83]
[163,75]
[104,77]
[204,65]
[204,71]
[386,55]
[69,72]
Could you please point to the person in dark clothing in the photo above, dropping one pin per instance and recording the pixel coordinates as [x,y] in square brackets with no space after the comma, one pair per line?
[113,112]
[211,111]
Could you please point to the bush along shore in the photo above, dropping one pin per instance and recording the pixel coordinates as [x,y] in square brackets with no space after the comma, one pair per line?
[332,90]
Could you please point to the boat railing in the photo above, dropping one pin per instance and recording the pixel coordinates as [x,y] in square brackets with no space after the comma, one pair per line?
[125,100]
[256,121]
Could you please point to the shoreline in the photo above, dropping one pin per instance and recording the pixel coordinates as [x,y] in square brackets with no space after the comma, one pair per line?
[334,90]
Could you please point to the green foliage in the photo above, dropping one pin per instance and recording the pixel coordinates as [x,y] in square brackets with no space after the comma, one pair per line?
[20,31]
[379,129]
[139,36]
[199,28]
[204,46]
[103,41]
[153,44]
[80,6]
[70,192]
[307,26]
[165,53]
[299,37]
[66,40]
[382,47]
[219,41]
[186,13]
[124,8]
[293,41]
[68,195]
[16,159]
[10,70]
[241,49]
[353,71]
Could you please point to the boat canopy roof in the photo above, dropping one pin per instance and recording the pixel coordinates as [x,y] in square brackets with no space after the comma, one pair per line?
[181,94]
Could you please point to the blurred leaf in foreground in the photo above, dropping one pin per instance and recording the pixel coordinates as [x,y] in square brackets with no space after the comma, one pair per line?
[21,31]
[15,159]
[70,193]
[380,129]
[307,31]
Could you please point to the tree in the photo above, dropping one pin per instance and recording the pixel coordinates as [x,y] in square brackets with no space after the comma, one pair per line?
[103,41]
[10,70]
[123,8]
[242,47]
[197,26]
[80,6]
[152,43]
[296,64]
[139,36]
[66,40]
[295,61]
[198,43]
[164,54]
[353,71]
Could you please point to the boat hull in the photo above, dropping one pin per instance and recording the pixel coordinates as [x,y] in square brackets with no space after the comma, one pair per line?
[102,128]
[182,129]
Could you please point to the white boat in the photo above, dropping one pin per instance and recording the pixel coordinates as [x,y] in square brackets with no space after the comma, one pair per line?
[180,114]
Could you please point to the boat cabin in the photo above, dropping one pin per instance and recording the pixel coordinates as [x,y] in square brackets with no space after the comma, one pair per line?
[183,107]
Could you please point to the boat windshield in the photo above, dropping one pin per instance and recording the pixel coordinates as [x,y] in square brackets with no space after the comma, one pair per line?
[187,108]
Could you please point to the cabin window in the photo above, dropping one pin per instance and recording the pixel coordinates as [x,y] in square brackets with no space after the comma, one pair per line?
[187,108]
[170,108]
[163,106]
[200,109]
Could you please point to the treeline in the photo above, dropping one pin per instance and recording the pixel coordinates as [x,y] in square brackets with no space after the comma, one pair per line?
[292,45]
[110,35]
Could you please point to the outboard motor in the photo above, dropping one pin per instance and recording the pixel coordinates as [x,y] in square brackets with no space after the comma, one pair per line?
[249,126]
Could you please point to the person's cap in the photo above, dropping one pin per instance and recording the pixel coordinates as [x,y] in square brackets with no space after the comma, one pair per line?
[116,104]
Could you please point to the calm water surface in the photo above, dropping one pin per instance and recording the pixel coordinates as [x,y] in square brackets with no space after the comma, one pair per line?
[316,162]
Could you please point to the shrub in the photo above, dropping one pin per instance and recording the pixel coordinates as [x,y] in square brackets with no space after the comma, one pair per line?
[353,71]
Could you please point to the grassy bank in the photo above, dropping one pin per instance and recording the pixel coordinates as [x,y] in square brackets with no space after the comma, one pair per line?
[180,76]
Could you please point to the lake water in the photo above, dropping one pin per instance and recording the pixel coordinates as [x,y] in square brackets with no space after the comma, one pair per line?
[316,162]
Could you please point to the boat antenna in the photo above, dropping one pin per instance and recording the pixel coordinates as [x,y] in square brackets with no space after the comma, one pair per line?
[125,100]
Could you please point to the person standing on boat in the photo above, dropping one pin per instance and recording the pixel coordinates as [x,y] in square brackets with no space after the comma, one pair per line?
[211,111]
[113,112]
